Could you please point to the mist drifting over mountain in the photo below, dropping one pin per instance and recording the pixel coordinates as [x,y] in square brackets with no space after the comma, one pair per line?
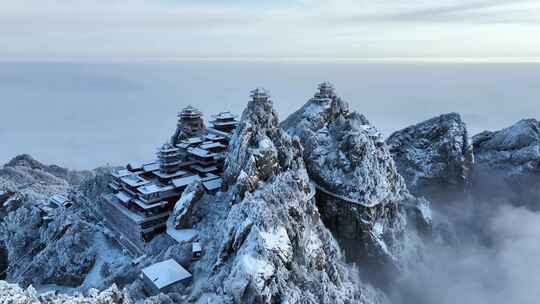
[326,197]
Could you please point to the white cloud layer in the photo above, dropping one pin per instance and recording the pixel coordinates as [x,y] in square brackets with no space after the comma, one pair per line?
[303,28]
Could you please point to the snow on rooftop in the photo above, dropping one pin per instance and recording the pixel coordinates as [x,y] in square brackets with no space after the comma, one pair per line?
[209,176]
[134,180]
[204,169]
[162,174]
[213,184]
[123,196]
[136,165]
[166,273]
[151,167]
[196,247]
[165,148]
[180,235]
[224,115]
[212,145]
[58,198]
[194,140]
[199,152]
[219,133]
[149,189]
[260,93]
[213,136]
[184,181]
[121,173]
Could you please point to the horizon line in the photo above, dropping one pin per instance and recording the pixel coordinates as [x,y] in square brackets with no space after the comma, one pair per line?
[142,60]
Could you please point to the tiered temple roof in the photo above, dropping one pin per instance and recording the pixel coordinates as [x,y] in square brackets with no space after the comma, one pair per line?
[260,94]
[190,123]
[224,121]
[145,192]
[326,90]
[169,158]
[190,112]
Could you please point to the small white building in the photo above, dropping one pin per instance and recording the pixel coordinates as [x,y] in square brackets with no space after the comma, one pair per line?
[59,200]
[196,250]
[163,276]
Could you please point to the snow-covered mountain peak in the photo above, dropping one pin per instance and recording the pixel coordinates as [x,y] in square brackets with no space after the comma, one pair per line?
[433,154]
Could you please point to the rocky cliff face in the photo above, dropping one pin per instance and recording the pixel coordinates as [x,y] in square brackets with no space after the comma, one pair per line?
[71,177]
[361,196]
[11,293]
[274,246]
[434,156]
[59,248]
[508,163]
[265,236]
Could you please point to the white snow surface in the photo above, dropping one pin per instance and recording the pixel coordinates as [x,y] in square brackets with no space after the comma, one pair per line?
[348,160]
[434,153]
[515,149]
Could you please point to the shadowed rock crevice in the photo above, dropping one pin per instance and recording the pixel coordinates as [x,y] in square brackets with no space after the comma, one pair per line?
[4,261]
[361,196]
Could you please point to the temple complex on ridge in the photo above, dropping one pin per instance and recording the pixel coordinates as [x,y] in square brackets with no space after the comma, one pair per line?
[144,193]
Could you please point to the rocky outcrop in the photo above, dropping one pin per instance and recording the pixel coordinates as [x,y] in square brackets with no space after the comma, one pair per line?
[435,156]
[11,293]
[183,209]
[273,247]
[361,196]
[60,246]
[27,161]
[508,163]
[60,252]
[96,184]
[259,149]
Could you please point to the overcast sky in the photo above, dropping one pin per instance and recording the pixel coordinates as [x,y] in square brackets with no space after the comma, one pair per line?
[131,29]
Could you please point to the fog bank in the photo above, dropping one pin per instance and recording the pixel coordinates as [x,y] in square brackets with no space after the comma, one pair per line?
[84,115]
[491,258]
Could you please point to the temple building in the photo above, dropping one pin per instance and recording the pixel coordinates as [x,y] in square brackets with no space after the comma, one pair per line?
[169,158]
[259,94]
[326,91]
[190,123]
[144,193]
[224,121]
[162,277]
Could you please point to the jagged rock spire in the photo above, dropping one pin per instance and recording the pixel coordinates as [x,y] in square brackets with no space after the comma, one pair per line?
[356,179]
[259,148]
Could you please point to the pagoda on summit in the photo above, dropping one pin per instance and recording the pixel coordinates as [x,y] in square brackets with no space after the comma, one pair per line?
[190,123]
[260,94]
[326,91]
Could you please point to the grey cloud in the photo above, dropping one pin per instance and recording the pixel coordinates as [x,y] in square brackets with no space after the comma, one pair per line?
[479,12]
